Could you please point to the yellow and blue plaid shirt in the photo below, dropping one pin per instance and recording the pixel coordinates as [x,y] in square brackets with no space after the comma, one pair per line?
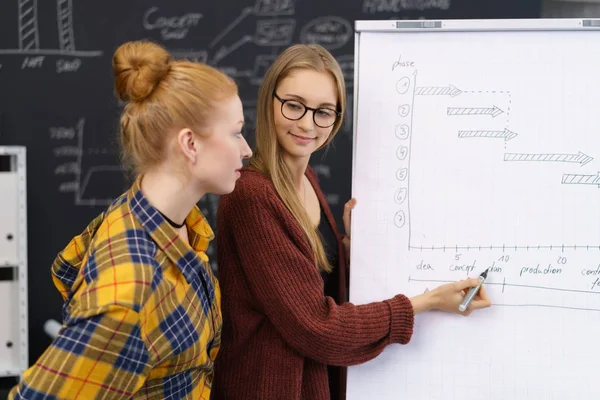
[142,310]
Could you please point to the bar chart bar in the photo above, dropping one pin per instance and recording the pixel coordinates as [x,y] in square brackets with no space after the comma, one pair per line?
[66,36]
[29,38]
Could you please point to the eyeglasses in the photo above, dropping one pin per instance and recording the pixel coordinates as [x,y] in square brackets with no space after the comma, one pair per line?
[295,110]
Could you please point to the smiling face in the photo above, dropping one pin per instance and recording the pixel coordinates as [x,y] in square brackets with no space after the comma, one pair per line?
[300,138]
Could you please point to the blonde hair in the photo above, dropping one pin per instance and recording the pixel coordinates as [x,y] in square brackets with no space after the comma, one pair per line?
[268,156]
[162,95]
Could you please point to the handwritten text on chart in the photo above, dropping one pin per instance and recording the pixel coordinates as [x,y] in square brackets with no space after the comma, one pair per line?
[402,63]
[549,269]
[171,27]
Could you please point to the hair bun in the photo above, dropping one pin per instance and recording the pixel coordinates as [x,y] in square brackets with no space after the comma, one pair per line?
[138,68]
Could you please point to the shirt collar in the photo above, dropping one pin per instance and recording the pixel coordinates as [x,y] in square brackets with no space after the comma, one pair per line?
[166,236]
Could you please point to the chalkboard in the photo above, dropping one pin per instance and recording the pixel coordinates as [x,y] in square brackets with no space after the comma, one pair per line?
[57,97]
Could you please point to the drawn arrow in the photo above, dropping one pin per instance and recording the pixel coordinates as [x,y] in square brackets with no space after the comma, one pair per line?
[224,51]
[581,179]
[450,90]
[505,134]
[580,157]
[493,111]
[245,12]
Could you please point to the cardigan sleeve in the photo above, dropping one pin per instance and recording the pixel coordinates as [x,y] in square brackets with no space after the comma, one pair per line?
[277,262]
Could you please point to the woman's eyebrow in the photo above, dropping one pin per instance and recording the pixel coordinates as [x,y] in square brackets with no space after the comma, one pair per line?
[304,100]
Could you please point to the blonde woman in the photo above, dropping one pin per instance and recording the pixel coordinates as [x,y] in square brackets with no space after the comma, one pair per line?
[142,314]
[288,330]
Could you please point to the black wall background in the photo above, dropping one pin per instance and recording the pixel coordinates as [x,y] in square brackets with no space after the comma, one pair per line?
[56,93]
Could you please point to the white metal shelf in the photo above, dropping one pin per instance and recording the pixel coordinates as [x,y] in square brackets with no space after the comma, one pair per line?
[14,343]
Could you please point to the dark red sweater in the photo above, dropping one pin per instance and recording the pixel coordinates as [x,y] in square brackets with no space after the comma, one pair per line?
[279,330]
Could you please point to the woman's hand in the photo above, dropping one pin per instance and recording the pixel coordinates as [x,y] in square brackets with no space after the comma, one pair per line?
[347,219]
[448,297]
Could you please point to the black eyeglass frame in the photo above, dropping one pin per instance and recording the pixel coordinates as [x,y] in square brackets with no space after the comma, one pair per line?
[306,109]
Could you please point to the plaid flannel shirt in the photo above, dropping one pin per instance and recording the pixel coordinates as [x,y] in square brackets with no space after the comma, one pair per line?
[142,310]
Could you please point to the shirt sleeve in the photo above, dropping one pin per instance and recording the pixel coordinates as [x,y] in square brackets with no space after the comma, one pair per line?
[103,349]
[68,262]
[101,354]
[277,263]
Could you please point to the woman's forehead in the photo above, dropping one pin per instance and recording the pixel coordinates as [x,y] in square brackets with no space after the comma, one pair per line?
[314,86]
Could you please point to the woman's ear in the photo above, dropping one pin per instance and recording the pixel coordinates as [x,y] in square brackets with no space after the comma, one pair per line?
[189,144]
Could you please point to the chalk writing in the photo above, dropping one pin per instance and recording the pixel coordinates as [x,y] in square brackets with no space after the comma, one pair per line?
[381,6]
[68,66]
[274,32]
[32,62]
[329,32]
[274,7]
[172,27]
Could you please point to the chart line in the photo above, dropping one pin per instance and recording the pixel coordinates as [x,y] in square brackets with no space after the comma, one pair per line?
[504,284]
[546,306]
[560,247]
[50,52]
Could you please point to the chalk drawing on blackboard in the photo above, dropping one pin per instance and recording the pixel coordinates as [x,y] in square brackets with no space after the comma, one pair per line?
[245,12]
[382,6]
[94,177]
[262,8]
[330,32]
[274,7]
[274,32]
[171,27]
[190,55]
[262,62]
[234,72]
[29,31]
[74,158]
[224,51]
[581,179]
[101,173]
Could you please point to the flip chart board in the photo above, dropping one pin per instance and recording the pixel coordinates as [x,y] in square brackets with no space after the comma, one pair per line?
[476,145]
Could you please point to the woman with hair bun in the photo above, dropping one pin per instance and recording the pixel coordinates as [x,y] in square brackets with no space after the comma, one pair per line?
[142,314]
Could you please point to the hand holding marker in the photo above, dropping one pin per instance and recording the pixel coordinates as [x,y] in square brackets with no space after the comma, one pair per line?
[472,292]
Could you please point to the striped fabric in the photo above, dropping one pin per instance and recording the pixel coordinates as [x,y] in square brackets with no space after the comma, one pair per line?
[142,311]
